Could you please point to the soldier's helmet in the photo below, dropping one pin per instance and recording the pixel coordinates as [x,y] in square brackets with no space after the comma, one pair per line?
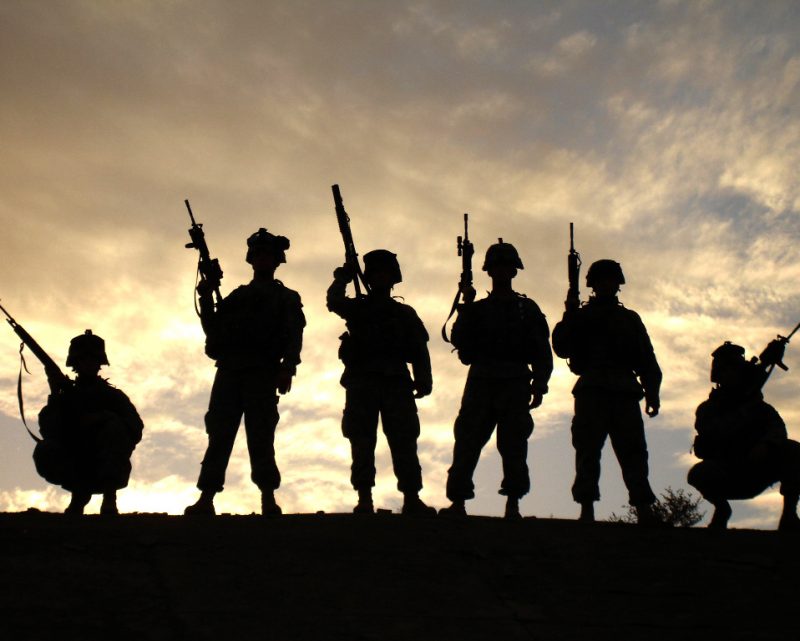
[502,254]
[87,344]
[604,268]
[382,260]
[728,356]
[263,239]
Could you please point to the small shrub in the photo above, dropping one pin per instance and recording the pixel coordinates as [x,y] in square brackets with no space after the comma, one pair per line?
[675,508]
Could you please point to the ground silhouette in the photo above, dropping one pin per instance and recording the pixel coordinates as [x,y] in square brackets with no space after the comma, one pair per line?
[388,577]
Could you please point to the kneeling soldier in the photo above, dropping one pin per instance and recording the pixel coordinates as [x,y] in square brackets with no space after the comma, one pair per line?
[89,431]
[742,439]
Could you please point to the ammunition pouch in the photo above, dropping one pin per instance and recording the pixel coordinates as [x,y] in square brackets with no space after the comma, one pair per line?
[346,349]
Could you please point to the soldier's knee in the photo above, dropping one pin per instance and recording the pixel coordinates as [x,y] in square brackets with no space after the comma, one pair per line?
[697,476]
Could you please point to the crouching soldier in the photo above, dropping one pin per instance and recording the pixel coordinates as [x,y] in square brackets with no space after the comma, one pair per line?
[504,338]
[383,335]
[608,348]
[742,439]
[89,431]
[255,336]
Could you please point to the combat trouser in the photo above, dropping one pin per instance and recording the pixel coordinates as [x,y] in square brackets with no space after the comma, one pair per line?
[490,402]
[393,399]
[235,392]
[737,479]
[600,414]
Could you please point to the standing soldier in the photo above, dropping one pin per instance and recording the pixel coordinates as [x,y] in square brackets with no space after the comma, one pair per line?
[608,348]
[742,439]
[89,431]
[382,336]
[504,338]
[255,335]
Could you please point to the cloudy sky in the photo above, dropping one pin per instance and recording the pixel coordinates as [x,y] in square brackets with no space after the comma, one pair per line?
[667,131]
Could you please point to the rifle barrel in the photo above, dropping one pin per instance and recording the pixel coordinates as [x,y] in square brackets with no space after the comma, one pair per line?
[189,207]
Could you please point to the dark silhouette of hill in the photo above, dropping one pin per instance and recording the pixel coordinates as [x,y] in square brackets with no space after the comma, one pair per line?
[388,577]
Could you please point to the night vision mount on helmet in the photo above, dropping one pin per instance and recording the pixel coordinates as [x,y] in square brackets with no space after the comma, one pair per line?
[264,240]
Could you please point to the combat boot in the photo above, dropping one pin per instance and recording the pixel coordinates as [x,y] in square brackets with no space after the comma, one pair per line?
[456,510]
[512,509]
[789,520]
[77,503]
[268,505]
[413,506]
[645,517]
[587,512]
[203,507]
[364,505]
[722,513]
[109,505]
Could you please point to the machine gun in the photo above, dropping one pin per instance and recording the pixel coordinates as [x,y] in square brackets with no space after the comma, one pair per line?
[208,268]
[573,301]
[57,380]
[350,253]
[465,250]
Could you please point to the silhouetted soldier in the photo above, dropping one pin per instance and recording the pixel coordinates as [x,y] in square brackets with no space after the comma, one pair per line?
[89,431]
[742,439]
[504,338]
[255,336]
[382,336]
[608,348]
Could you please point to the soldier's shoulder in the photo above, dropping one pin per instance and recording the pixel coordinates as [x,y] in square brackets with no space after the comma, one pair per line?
[404,310]
[528,303]
[288,293]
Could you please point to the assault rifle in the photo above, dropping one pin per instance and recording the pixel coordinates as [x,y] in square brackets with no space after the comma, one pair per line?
[350,253]
[57,380]
[773,353]
[208,268]
[465,250]
[573,301]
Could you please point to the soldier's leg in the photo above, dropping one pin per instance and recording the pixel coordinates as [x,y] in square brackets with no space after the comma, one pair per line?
[473,428]
[360,427]
[589,433]
[260,420]
[627,438]
[401,426]
[514,428]
[224,414]
[790,485]
[78,501]
[713,480]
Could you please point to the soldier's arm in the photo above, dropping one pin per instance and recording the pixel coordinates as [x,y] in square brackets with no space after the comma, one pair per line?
[294,323]
[421,358]
[336,298]
[541,361]
[648,370]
